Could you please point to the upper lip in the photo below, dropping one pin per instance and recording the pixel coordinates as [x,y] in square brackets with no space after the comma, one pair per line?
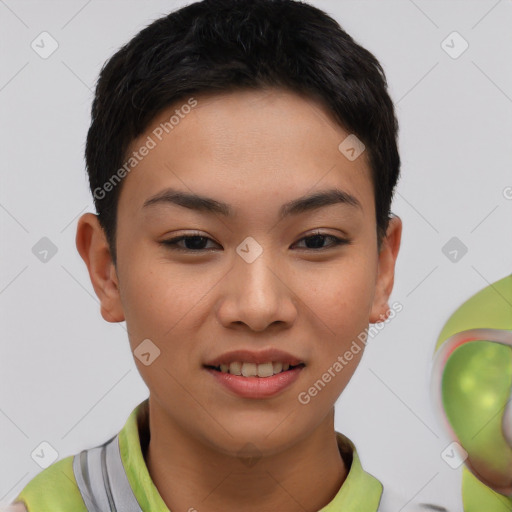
[249,356]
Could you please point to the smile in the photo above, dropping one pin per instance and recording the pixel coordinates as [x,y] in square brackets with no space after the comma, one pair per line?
[263,370]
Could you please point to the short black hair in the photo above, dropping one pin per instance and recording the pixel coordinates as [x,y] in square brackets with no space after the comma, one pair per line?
[227,45]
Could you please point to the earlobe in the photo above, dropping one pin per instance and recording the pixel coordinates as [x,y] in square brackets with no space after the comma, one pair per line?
[92,246]
[386,270]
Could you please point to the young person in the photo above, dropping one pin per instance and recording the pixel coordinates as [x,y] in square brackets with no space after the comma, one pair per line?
[242,157]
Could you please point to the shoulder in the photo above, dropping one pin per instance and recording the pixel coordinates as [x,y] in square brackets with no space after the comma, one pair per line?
[54,488]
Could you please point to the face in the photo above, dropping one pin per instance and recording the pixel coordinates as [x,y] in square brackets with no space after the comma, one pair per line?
[263,268]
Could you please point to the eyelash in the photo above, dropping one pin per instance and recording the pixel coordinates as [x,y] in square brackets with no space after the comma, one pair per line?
[172,242]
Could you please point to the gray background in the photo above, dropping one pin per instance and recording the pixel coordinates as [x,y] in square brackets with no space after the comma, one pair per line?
[68,377]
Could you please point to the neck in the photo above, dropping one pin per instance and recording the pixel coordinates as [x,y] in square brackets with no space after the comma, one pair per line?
[190,474]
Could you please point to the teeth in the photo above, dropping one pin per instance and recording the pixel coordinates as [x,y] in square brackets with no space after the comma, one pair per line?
[253,369]
[277,367]
[234,368]
[249,369]
[265,370]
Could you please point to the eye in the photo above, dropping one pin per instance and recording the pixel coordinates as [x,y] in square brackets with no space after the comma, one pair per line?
[196,243]
[318,237]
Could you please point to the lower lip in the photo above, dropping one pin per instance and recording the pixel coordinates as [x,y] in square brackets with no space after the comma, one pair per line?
[257,387]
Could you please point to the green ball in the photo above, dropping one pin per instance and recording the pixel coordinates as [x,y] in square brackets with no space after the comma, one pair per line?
[472,385]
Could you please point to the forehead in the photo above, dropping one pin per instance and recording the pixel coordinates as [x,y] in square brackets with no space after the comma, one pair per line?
[242,146]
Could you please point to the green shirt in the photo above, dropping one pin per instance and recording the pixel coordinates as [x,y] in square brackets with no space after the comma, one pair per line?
[56,489]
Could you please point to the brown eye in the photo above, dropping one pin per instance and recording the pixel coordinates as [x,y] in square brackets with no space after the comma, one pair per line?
[193,243]
[316,241]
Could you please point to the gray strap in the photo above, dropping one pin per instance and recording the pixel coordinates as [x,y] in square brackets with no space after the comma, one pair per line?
[102,480]
[122,492]
[85,467]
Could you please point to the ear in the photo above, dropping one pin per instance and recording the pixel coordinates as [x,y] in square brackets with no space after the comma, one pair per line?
[386,270]
[92,245]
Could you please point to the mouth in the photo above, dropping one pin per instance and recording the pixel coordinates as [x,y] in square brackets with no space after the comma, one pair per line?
[255,380]
[262,370]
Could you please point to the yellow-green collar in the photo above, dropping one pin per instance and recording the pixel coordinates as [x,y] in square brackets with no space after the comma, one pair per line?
[360,490]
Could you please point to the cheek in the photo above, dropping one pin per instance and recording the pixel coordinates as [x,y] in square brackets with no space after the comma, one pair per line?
[165,303]
[153,299]
[342,301]
[342,294]
[158,306]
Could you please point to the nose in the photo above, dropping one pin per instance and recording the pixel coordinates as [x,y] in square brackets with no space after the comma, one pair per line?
[258,294]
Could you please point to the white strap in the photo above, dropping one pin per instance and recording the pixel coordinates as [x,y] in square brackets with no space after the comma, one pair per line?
[102,480]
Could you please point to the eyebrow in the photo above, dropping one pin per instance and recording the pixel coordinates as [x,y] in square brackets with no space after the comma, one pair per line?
[295,207]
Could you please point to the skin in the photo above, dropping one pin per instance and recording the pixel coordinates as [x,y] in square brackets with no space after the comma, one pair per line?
[254,150]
